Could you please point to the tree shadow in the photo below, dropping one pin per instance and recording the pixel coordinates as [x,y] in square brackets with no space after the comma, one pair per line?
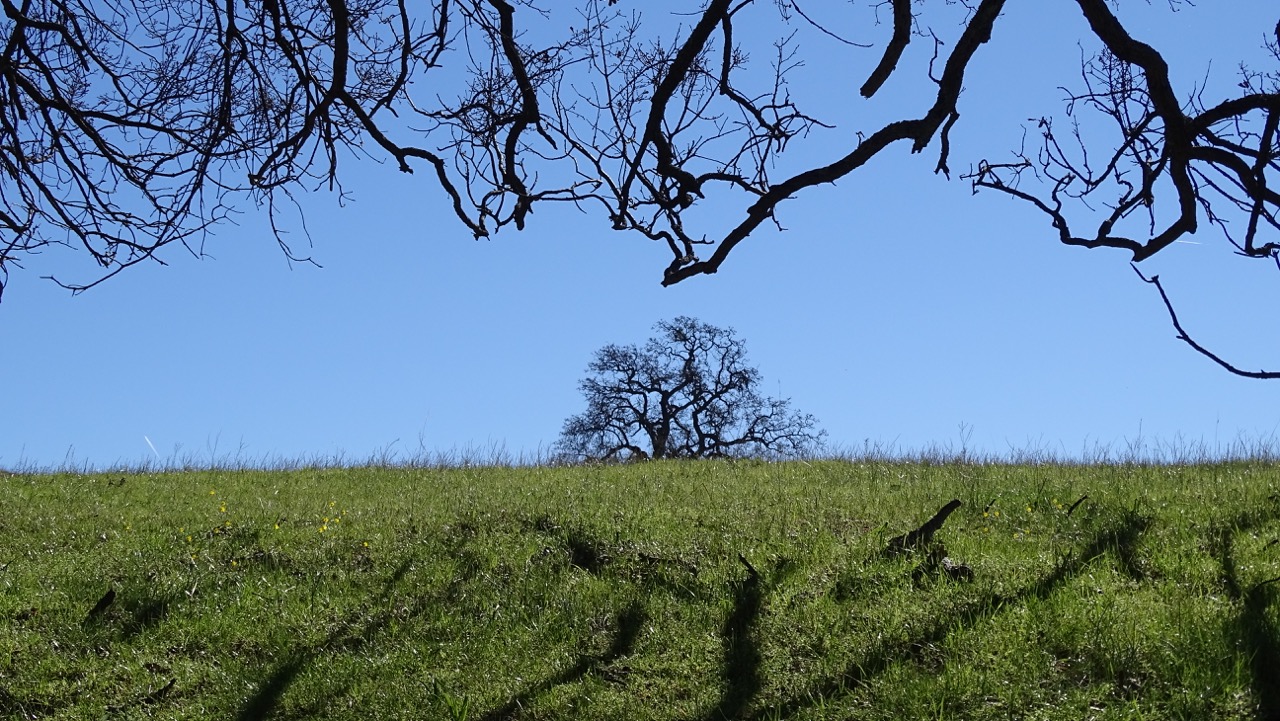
[585,551]
[261,704]
[741,669]
[741,653]
[630,622]
[1119,541]
[12,706]
[1255,632]
[347,635]
[143,613]
[1259,637]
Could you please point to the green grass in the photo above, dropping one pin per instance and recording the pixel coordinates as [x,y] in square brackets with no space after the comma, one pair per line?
[618,593]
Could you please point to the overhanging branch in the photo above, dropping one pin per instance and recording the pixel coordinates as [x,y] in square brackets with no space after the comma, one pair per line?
[1186,337]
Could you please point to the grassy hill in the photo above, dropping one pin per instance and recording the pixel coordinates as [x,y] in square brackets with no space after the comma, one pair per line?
[680,590]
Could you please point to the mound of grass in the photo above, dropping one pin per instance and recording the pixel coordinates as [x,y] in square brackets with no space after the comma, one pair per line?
[697,590]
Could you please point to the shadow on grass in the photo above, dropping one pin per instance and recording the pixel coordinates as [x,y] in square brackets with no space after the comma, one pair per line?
[143,613]
[12,706]
[1118,540]
[1257,635]
[263,703]
[741,654]
[741,670]
[630,622]
[347,636]
[585,551]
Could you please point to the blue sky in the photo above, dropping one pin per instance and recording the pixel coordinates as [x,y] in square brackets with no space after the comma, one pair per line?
[898,308]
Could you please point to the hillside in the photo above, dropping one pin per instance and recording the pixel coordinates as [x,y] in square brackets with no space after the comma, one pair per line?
[680,590]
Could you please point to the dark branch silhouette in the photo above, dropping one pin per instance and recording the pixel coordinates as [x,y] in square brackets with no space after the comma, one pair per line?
[126,131]
[1184,337]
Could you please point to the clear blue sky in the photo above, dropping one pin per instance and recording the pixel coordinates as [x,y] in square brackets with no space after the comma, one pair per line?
[897,308]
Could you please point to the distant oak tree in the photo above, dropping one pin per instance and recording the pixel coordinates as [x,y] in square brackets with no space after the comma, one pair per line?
[687,393]
[131,125]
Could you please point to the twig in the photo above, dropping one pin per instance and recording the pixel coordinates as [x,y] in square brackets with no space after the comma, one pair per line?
[1183,336]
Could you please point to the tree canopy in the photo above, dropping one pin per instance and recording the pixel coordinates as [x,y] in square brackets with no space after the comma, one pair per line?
[131,125]
[687,393]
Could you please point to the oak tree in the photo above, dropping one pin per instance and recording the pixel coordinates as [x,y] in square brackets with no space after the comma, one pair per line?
[687,393]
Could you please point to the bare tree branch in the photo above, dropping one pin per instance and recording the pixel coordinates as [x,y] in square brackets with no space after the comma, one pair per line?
[902,19]
[132,125]
[1186,338]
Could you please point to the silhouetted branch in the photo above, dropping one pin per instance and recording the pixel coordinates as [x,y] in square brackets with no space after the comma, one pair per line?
[129,128]
[1186,338]
[902,19]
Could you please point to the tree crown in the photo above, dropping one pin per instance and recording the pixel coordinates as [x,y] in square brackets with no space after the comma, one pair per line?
[687,393]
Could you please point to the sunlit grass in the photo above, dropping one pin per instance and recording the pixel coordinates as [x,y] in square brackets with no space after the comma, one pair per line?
[619,592]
